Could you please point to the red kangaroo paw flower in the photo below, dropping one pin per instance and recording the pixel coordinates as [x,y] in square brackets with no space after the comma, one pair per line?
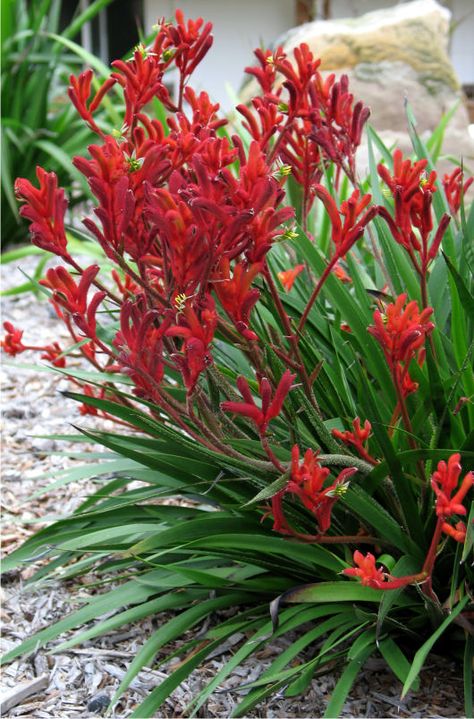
[412,193]
[444,481]
[74,297]
[458,532]
[340,273]
[402,331]
[45,208]
[307,480]
[358,438]
[139,343]
[189,42]
[11,343]
[85,408]
[235,295]
[197,328]
[455,187]
[371,576]
[52,353]
[79,93]
[346,233]
[366,571]
[288,277]
[271,407]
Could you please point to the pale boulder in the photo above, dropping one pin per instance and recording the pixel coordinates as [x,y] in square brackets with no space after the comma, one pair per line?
[390,55]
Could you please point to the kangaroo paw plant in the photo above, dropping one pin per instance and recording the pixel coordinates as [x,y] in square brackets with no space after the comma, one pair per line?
[284,344]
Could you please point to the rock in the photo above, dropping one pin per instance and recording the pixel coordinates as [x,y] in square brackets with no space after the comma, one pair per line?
[389,55]
[42,444]
[99,703]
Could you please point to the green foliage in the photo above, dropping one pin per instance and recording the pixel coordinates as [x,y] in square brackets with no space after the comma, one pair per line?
[39,126]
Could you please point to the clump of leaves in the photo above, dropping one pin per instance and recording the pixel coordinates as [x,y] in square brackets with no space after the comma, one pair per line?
[288,347]
[39,126]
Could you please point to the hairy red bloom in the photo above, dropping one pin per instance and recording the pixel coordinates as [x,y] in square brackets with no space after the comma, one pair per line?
[340,273]
[315,118]
[140,346]
[85,408]
[142,79]
[366,571]
[11,343]
[377,578]
[456,187]
[444,481]
[235,293]
[186,43]
[288,277]
[358,438]
[306,482]
[345,233]
[402,331]
[458,532]
[53,353]
[271,405]
[126,286]
[79,93]
[117,175]
[412,223]
[45,208]
[74,297]
[197,330]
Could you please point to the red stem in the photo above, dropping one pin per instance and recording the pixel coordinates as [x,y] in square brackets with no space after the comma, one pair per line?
[291,338]
[316,292]
[270,454]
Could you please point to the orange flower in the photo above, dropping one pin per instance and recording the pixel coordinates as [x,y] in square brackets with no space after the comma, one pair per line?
[287,277]
[340,273]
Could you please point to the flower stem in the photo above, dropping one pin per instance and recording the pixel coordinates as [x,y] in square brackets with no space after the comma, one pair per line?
[291,338]
[316,292]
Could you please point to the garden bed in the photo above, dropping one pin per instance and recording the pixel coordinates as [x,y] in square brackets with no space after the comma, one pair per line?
[33,405]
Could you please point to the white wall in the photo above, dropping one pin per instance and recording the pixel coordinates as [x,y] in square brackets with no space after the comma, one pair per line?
[239,27]
[462,39]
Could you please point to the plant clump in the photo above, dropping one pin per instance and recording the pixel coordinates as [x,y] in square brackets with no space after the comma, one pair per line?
[288,345]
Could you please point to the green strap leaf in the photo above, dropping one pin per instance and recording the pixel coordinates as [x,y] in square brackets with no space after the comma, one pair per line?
[360,651]
[425,649]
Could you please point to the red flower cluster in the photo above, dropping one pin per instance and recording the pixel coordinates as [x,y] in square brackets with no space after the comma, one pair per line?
[73,298]
[45,208]
[455,187]
[401,332]
[187,215]
[345,234]
[307,478]
[288,277]
[358,438]
[444,482]
[412,191]
[316,119]
[195,230]
[371,576]
[272,403]
[12,344]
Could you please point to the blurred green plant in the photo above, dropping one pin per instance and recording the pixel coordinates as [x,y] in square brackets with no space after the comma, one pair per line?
[39,126]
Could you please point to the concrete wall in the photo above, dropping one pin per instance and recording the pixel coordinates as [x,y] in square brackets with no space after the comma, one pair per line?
[239,27]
